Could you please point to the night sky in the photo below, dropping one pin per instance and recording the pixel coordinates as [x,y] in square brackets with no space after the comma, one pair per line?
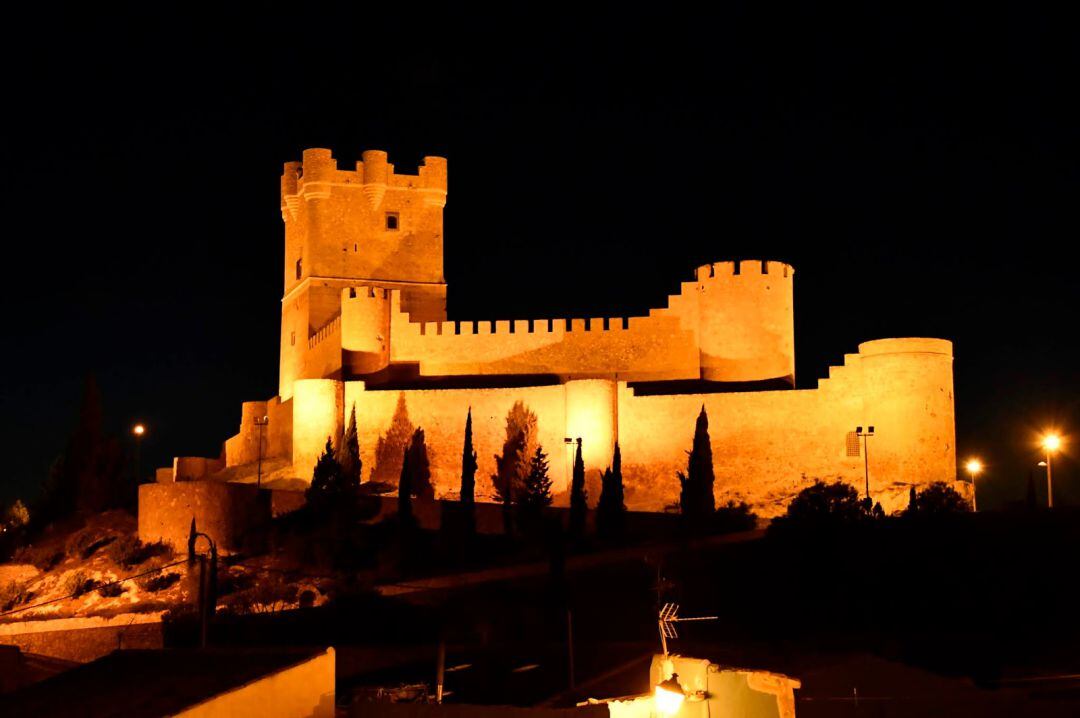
[920,173]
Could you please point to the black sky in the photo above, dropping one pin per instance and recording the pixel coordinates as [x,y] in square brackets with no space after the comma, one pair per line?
[920,172]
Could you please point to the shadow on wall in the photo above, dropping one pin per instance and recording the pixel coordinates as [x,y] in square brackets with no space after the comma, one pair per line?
[519,446]
[391,446]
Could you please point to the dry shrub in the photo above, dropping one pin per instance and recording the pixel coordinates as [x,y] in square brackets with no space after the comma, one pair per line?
[112,590]
[15,594]
[130,552]
[78,583]
[42,557]
[157,581]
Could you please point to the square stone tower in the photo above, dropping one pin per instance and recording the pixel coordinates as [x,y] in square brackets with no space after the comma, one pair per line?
[344,227]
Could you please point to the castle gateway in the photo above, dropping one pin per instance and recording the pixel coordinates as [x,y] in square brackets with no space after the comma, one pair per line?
[364,327]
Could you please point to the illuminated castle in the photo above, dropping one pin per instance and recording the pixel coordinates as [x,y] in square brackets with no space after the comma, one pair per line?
[363,324]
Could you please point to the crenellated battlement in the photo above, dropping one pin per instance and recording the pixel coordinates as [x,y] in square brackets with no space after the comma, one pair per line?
[313,177]
[511,327]
[365,292]
[744,267]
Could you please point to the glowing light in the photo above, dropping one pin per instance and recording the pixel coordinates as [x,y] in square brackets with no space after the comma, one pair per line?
[669,695]
[138,430]
[1051,442]
[974,467]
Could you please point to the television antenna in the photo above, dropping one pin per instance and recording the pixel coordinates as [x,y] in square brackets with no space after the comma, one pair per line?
[669,616]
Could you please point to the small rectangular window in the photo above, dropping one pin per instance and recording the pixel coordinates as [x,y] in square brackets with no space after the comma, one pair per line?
[392,220]
[299,267]
[292,339]
[853,444]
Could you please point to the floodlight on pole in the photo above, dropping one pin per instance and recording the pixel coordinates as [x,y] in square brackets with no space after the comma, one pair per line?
[865,435]
[974,468]
[1051,442]
[261,423]
[138,431]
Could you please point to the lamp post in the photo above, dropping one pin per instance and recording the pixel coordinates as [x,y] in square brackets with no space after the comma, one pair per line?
[570,456]
[865,435]
[139,430]
[974,468]
[668,696]
[1050,444]
[261,423]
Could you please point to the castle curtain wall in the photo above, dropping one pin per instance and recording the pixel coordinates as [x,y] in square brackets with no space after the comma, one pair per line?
[441,413]
[767,445]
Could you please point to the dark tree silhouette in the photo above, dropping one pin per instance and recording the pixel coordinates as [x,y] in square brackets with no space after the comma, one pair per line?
[348,452]
[696,500]
[938,499]
[89,476]
[823,503]
[579,506]
[420,468]
[513,464]
[468,477]
[536,494]
[405,491]
[911,498]
[329,490]
[611,509]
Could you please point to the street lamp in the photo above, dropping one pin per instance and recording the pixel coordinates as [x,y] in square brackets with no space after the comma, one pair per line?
[1050,444]
[261,423]
[669,695]
[139,430]
[974,468]
[571,458]
[865,435]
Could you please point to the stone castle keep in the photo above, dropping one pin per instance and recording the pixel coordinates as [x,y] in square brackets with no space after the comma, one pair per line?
[364,325]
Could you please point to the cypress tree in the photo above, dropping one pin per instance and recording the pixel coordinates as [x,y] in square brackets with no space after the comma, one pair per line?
[611,509]
[518,448]
[405,512]
[696,500]
[536,495]
[324,492]
[348,456]
[420,468]
[578,497]
[468,477]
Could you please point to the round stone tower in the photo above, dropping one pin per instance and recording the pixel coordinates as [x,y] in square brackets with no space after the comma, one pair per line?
[365,329]
[908,399]
[746,325]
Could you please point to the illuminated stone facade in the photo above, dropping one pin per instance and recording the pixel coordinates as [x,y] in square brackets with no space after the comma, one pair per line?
[363,324]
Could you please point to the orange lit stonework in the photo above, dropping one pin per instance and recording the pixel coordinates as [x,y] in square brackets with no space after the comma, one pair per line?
[363,324]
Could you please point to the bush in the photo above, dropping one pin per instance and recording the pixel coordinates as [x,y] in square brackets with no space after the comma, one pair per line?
[85,543]
[937,499]
[230,582]
[45,559]
[95,546]
[734,516]
[14,594]
[157,581]
[78,583]
[130,552]
[112,590]
[270,593]
[837,502]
